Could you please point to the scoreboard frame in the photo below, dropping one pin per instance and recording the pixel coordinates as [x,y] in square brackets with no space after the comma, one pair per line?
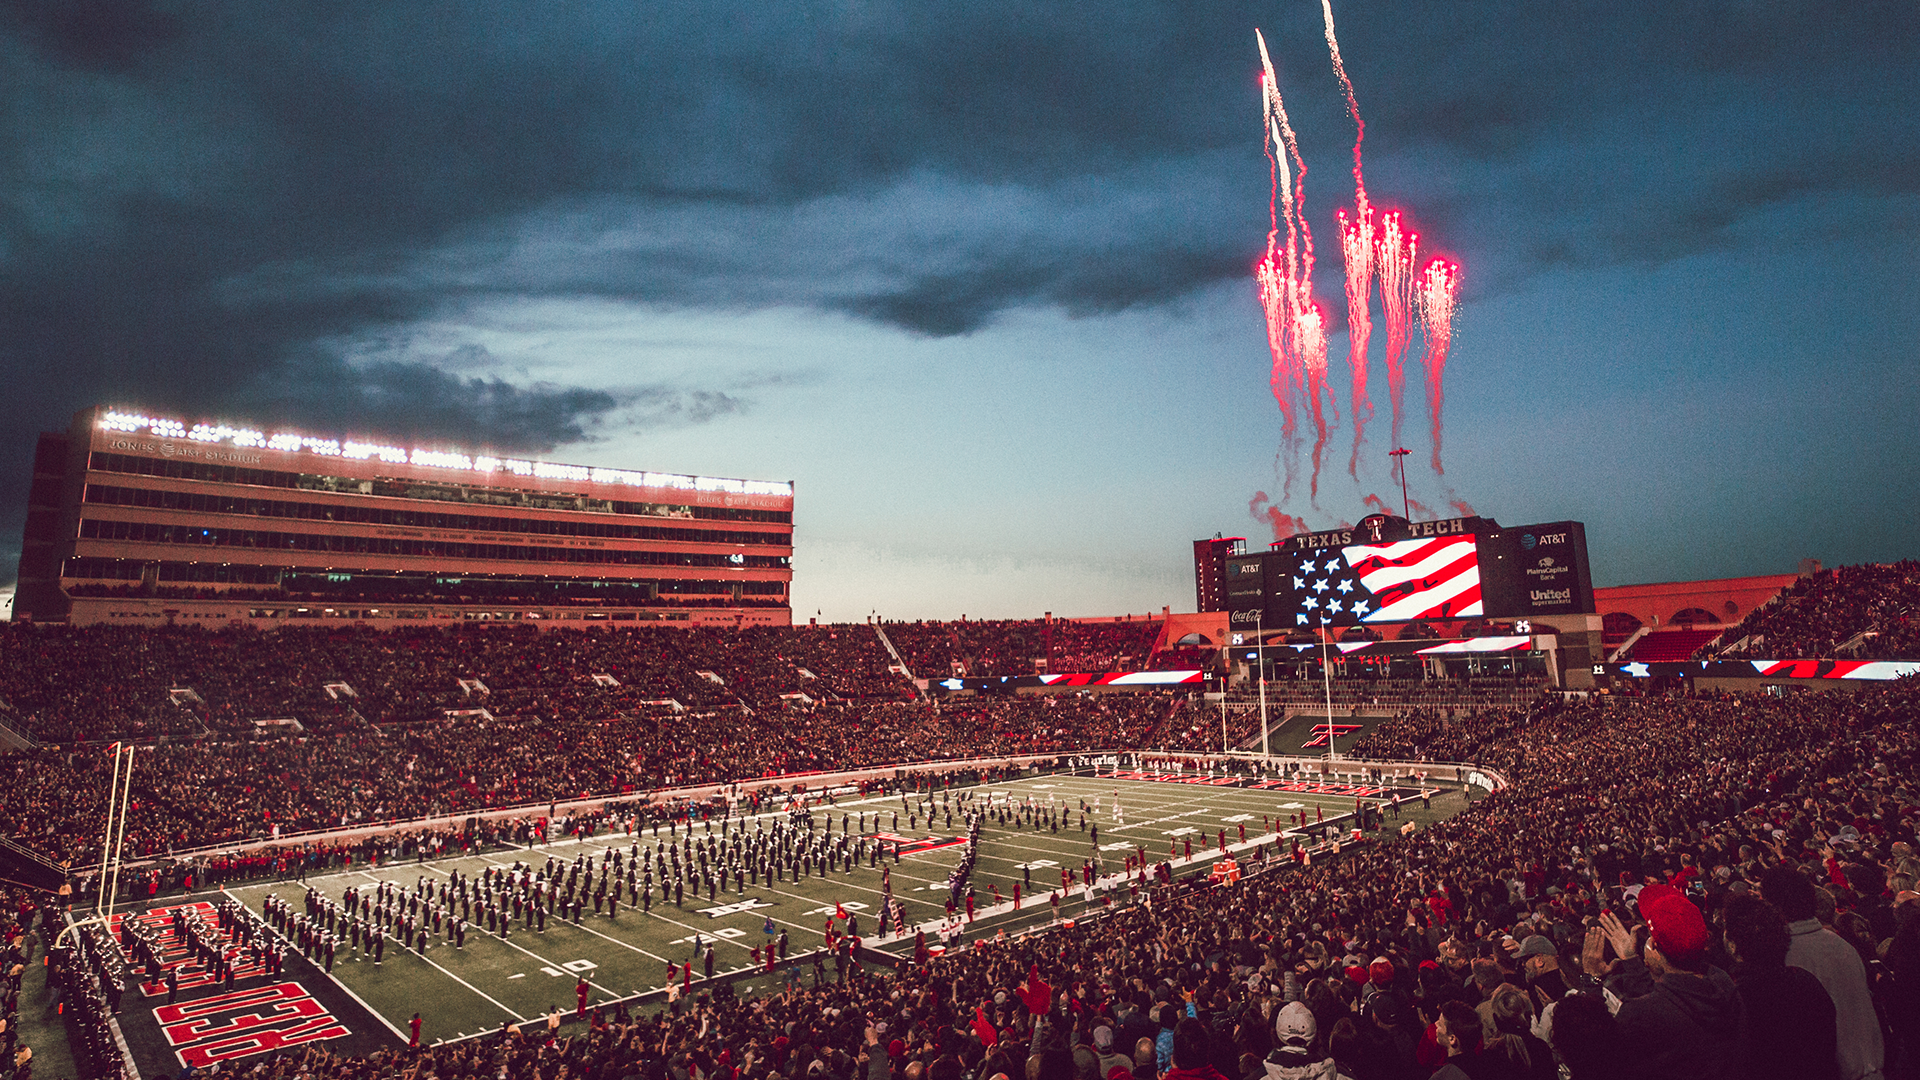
[1387,570]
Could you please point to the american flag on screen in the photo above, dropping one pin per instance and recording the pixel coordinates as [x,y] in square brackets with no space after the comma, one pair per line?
[1411,579]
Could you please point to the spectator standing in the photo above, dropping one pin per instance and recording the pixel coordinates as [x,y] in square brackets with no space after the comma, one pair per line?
[1791,1032]
[1680,1017]
[1838,967]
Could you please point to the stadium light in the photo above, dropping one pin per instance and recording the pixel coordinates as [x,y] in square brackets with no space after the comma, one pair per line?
[287,441]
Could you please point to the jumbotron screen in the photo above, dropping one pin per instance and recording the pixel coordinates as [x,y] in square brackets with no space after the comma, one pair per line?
[1388,570]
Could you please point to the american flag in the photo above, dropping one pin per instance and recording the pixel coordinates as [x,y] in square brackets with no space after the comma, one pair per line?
[1398,582]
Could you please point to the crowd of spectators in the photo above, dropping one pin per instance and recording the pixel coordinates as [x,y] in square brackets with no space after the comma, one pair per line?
[22,914]
[1627,908]
[1820,613]
[198,793]
[76,684]
[980,648]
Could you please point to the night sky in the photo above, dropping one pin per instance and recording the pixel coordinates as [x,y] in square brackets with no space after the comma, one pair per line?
[977,276]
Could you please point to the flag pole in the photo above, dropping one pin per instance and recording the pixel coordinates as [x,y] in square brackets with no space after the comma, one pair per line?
[1260,650]
[1326,679]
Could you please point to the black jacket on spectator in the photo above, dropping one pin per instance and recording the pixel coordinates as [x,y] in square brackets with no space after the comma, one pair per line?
[1683,1026]
[1790,1024]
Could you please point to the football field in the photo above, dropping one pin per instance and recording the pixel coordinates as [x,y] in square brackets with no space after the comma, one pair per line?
[493,981]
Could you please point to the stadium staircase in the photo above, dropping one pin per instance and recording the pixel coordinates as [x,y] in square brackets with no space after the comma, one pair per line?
[887,642]
[961,657]
[1619,653]
[16,738]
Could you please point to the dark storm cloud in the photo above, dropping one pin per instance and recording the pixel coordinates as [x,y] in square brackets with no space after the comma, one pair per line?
[196,199]
[423,404]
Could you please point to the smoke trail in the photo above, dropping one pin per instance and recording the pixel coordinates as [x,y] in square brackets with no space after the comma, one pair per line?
[1282,524]
[1357,251]
[1459,505]
[1356,246]
[1295,332]
[1419,510]
[1394,259]
[1275,280]
[1439,296]
[1311,339]
[1377,503]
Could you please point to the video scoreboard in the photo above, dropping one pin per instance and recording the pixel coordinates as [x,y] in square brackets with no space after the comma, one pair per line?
[1391,570]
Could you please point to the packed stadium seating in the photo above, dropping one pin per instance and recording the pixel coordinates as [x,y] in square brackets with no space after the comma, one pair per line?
[89,684]
[1867,612]
[1402,695]
[1020,646]
[1717,795]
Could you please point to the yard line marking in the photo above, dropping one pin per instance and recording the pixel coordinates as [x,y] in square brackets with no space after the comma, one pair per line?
[509,943]
[562,922]
[371,1011]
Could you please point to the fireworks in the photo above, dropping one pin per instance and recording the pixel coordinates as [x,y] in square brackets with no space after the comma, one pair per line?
[1357,253]
[1296,333]
[1267,513]
[1372,243]
[1439,293]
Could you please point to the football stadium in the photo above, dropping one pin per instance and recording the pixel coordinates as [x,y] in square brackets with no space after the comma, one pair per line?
[497,490]
[402,803]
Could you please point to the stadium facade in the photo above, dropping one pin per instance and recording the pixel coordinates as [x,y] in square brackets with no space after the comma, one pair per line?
[143,520]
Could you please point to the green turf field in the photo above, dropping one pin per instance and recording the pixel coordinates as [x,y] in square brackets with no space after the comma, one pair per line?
[491,982]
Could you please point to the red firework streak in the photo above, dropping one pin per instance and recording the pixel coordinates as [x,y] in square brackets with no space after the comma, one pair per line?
[1394,258]
[1439,294]
[1296,330]
[1357,251]
[1278,272]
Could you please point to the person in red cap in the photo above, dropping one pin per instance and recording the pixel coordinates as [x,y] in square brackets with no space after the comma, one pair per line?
[1680,1016]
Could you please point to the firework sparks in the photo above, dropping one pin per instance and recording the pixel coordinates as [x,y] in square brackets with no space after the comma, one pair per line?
[1373,243]
[1439,293]
[1357,252]
[1295,332]
[1394,259]
[1310,338]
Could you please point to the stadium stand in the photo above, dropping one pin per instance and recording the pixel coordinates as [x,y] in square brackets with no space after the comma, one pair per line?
[1866,612]
[1797,813]
[1020,646]
[1716,797]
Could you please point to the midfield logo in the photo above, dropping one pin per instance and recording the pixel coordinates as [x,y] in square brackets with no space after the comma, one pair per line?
[914,845]
[1321,731]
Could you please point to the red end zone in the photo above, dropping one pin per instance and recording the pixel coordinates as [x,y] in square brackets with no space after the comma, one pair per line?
[262,1013]
[244,1023]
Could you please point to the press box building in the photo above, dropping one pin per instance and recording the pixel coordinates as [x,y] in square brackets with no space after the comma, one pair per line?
[137,519]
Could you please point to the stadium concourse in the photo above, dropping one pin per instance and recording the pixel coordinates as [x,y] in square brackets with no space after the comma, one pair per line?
[1733,834]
